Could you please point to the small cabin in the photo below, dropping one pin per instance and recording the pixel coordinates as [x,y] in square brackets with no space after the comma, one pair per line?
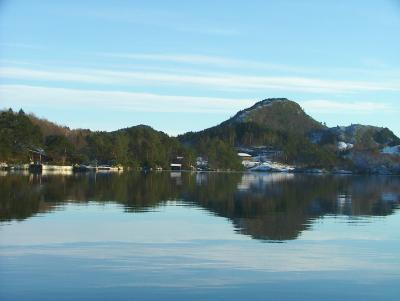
[38,156]
[176,166]
[245,156]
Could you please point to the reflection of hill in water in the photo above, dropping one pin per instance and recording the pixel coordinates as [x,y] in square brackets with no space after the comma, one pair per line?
[265,206]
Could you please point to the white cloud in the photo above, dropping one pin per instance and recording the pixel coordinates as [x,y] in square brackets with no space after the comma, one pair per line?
[180,58]
[35,96]
[216,81]
[200,59]
[329,106]
[377,71]
[50,75]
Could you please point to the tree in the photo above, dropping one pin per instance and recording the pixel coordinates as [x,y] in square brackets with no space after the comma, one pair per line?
[17,135]
[59,149]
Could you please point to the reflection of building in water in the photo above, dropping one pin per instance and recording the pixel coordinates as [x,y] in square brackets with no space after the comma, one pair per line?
[259,180]
[177,176]
[344,203]
[63,172]
[201,178]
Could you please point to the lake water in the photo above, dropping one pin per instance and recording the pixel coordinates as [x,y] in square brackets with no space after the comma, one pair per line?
[199,236]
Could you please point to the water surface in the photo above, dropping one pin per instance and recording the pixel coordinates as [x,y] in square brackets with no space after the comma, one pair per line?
[199,236]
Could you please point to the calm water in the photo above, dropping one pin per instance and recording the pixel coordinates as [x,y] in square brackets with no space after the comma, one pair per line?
[204,236]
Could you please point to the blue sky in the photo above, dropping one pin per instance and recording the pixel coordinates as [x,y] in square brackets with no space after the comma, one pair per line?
[188,65]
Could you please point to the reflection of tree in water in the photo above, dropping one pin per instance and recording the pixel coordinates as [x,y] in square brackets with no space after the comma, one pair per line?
[24,196]
[265,206]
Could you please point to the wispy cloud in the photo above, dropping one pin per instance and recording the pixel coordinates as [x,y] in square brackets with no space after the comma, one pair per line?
[374,69]
[201,59]
[52,75]
[329,106]
[215,81]
[176,58]
[36,96]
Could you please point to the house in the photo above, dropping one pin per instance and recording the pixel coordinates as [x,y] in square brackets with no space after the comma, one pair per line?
[201,163]
[245,156]
[176,166]
[37,156]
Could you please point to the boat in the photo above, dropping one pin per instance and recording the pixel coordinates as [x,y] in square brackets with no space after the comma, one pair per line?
[109,168]
[84,168]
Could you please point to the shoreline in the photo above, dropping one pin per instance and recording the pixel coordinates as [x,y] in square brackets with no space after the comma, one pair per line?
[70,171]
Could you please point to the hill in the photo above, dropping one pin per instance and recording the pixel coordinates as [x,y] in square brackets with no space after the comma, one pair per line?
[276,125]
[135,146]
[282,125]
[360,136]
[370,149]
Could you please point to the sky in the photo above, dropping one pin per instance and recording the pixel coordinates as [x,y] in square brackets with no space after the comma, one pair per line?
[188,65]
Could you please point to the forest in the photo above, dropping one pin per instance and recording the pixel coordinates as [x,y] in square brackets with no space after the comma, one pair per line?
[137,147]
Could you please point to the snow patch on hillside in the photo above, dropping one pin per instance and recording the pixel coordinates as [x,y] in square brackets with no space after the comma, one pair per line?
[342,146]
[273,166]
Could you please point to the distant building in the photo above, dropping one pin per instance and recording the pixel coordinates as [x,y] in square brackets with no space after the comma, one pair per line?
[201,163]
[37,155]
[176,163]
[176,166]
[245,156]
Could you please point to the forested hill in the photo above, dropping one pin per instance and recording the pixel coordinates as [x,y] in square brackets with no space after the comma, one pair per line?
[282,125]
[135,146]
[276,124]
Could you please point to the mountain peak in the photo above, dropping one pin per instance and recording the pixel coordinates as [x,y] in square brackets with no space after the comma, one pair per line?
[269,102]
[278,114]
[242,115]
[272,100]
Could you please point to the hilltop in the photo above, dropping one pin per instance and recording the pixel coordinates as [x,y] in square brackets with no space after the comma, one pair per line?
[280,114]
